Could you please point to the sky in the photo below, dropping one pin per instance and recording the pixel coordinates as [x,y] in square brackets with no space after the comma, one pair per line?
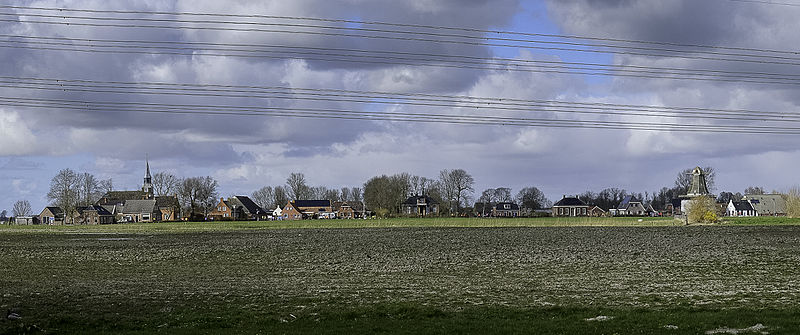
[244,153]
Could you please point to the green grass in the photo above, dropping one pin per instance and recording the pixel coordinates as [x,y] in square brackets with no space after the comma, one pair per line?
[171,227]
[245,277]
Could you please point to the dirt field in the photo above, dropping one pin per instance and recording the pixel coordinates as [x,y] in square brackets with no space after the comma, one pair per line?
[554,279]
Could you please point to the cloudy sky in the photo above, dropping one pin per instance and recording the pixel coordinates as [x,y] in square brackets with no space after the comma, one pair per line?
[45,133]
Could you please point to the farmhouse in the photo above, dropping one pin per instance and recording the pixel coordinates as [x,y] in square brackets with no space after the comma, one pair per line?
[570,206]
[740,208]
[51,215]
[767,204]
[596,211]
[94,214]
[420,205]
[505,209]
[238,207]
[139,211]
[308,209]
[630,207]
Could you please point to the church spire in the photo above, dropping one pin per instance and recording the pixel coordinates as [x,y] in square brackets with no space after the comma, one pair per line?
[147,186]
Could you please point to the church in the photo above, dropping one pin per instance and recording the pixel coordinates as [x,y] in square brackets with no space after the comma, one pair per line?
[141,205]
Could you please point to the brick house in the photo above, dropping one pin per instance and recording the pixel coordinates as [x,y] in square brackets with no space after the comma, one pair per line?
[94,214]
[570,206]
[238,207]
[420,205]
[139,211]
[52,216]
[505,209]
[308,209]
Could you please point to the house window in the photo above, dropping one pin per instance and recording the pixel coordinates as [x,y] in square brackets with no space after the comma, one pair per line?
[145,217]
[507,206]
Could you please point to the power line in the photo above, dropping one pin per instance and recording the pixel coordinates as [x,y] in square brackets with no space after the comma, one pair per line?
[556,69]
[768,2]
[385,116]
[489,62]
[419,102]
[373,97]
[760,59]
[407,25]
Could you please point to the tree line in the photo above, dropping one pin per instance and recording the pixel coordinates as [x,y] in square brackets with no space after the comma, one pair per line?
[384,194]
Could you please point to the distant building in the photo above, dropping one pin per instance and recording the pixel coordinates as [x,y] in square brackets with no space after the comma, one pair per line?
[94,214]
[420,205]
[740,208]
[238,207]
[165,208]
[570,206]
[139,211]
[596,211]
[629,206]
[698,188]
[26,220]
[767,204]
[308,209]
[52,216]
[505,209]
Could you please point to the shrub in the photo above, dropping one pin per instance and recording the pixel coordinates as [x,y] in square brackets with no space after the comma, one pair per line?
[793,203]
[702,209]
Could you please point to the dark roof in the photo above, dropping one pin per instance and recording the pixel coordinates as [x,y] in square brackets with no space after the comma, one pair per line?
[54,210]
[413,200]
[166,201]
[119,197]
[248,204]
[570,201]
[626,201]
[139,206]
[742,206]
[312,203]
[500,206]
[100,210]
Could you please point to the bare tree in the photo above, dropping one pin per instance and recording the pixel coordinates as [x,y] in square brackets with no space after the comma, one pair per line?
[457,185]
[165,183]
[281,196]
[265,197]
[531,198]
[754,190]
[297,187]
[88,189]
[63,192]
[332,195]
[502,194]
[345,194]
[22,208]
[106,185]
[356,194]
[199,194]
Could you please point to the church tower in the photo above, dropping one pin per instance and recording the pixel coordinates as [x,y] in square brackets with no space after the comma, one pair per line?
[147,187]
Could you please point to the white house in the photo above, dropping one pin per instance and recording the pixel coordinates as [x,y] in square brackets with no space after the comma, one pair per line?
[277,214]
[740,208]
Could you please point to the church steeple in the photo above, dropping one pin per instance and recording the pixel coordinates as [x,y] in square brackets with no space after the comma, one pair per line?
[147,187]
